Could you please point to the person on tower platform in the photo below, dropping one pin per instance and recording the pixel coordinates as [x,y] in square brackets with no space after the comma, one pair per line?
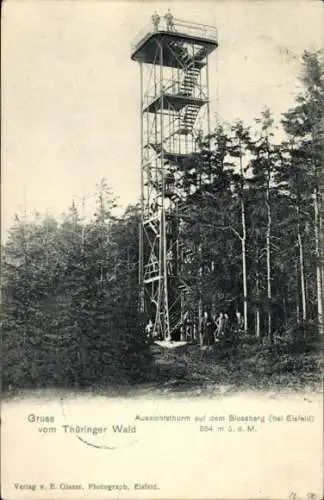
[156,20]
[169,20]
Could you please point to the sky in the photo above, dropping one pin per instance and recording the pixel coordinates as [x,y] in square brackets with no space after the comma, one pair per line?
[70,92]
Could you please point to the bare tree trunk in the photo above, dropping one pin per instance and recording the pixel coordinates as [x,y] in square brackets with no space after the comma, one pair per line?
[321,249]
[245,304]
[243,243]
[268,238]
[321,232]
[318,266]
[284,305]
[257,286]
[297,296]
[200,300]
[301,267]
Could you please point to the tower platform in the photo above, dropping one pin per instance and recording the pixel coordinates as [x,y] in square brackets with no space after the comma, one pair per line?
[175,102]
[143,47]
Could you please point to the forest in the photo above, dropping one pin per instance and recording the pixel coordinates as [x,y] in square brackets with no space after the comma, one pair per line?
[252,228]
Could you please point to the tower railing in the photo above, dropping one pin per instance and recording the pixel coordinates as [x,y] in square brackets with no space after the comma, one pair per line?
[196,29]
[180,27]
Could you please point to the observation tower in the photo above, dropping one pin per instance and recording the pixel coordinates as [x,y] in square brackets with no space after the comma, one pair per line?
[174,112]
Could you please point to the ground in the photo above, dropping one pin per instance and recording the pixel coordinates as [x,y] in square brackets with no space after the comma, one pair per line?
[190,370]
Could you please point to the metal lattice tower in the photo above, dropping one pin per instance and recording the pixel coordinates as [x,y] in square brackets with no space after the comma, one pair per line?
[174,110]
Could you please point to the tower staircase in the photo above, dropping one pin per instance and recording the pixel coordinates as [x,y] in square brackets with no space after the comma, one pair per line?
[189,81]
[181,54]
[174,321]
[189,117]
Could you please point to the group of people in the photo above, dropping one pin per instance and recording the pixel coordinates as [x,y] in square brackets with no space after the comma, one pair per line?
[213,328]
[169,20]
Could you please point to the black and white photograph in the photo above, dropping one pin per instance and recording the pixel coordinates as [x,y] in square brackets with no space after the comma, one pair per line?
[162,271]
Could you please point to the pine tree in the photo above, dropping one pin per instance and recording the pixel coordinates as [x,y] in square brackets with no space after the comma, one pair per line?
[238,150]
[263,162]
[304,125]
